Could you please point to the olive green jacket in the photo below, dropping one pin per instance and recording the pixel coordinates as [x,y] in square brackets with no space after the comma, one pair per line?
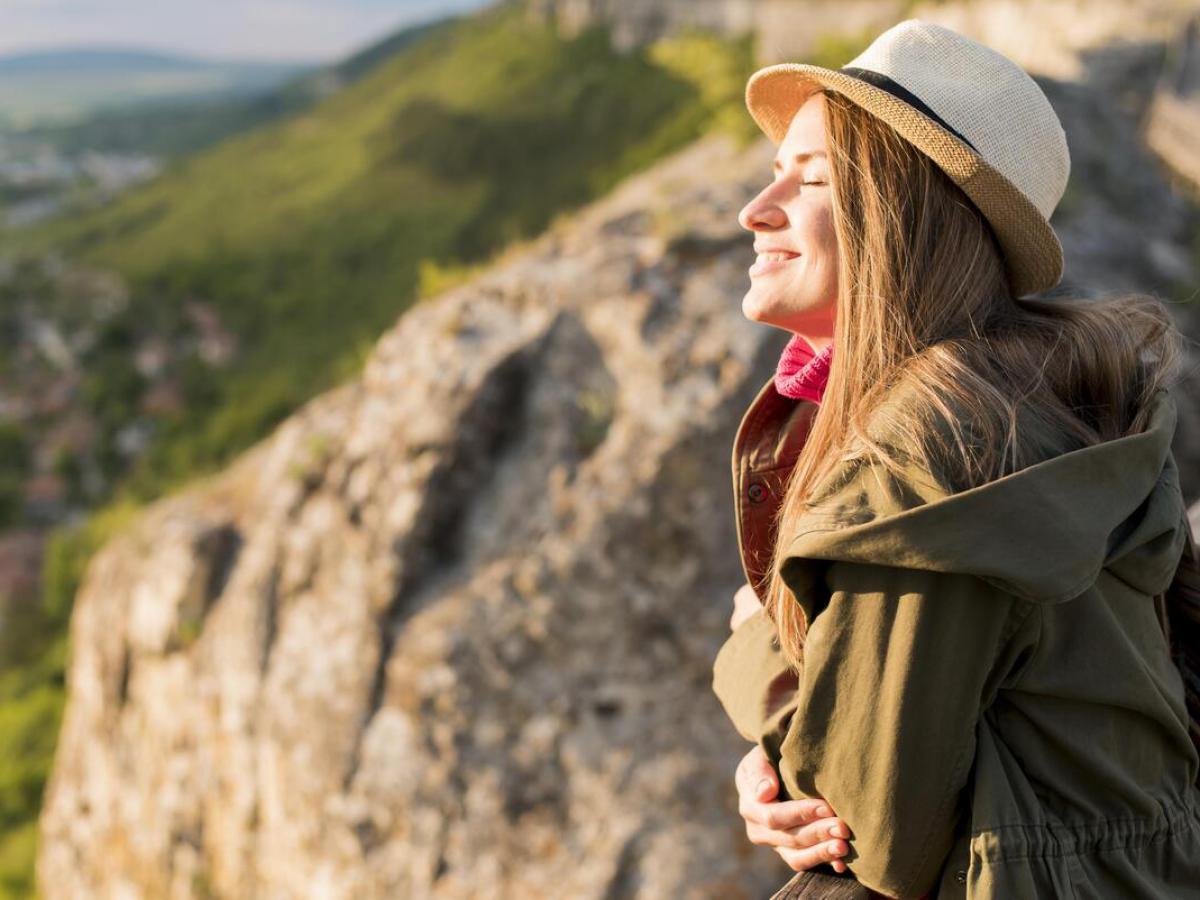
[986,696]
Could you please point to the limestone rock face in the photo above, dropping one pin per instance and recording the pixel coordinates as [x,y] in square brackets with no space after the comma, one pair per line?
[1047,37]
[449,631]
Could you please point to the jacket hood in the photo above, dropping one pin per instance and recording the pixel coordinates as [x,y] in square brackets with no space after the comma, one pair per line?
[1043,533]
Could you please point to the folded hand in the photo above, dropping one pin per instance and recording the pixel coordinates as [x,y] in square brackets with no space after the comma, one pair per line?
[805,833]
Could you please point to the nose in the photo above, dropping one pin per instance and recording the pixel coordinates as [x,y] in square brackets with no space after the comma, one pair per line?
[763,213]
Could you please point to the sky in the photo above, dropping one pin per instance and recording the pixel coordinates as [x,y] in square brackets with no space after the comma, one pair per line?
[284,30]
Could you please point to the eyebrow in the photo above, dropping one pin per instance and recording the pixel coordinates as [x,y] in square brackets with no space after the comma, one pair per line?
[800,157]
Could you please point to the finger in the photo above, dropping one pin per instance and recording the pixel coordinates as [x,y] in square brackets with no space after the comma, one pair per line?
[755,801]
[779,815]
[803,860]
[752,769]
[798,838]
[820,830]
[761,785]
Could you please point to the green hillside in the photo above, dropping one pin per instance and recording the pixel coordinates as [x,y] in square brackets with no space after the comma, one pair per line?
[311,235]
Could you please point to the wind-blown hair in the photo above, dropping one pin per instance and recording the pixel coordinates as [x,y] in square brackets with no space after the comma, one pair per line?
[925,311]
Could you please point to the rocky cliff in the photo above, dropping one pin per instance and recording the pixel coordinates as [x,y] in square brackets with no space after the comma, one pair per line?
[1047,37]
[448,632]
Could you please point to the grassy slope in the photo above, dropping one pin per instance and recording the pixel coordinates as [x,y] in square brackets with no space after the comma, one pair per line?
[310,235]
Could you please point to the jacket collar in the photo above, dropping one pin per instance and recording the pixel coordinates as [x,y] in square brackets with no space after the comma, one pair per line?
[1043,533]
[769,438]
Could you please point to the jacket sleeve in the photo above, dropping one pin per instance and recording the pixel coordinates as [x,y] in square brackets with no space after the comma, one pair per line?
[899,665]
[755,684]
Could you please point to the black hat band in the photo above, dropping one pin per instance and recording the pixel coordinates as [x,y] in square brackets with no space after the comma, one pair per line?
[884,83]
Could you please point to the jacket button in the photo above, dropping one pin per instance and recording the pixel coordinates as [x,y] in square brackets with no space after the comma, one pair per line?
[960,876]
[757,492]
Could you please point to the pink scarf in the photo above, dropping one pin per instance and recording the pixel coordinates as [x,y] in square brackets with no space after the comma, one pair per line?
[801,374]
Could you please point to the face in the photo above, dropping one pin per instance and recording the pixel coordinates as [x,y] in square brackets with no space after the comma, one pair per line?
[793,215]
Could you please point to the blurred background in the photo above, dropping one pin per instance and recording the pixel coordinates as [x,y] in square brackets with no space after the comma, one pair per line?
[368,376]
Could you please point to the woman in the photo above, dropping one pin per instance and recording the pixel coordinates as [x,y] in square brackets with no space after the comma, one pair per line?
[955,504]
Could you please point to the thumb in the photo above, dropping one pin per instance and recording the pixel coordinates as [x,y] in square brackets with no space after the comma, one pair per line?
[765,788]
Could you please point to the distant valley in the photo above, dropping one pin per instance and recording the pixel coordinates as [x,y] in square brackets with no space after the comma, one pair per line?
[80,125]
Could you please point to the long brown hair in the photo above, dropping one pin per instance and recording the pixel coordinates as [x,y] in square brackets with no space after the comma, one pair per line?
[924,307]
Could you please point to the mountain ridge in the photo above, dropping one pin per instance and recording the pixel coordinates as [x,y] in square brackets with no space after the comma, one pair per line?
[67,58]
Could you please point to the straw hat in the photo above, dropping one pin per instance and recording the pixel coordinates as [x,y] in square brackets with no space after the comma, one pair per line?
[973,111]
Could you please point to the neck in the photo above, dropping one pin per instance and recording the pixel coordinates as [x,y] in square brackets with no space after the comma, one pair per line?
[817,342]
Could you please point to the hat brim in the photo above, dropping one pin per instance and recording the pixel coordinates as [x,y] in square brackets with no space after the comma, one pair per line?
[1033,254]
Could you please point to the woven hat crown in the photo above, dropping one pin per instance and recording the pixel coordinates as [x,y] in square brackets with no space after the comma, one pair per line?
[974,111]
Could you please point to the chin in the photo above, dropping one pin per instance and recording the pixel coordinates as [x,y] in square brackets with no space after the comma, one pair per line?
[755,306]
[760,309]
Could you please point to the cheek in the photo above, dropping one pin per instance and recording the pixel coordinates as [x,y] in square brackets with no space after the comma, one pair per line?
[821,232]
[821,238]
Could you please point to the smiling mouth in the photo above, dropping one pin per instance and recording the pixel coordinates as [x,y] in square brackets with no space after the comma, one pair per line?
[769,262]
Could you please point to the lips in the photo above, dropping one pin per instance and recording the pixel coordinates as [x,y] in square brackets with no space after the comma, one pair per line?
[765,263]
